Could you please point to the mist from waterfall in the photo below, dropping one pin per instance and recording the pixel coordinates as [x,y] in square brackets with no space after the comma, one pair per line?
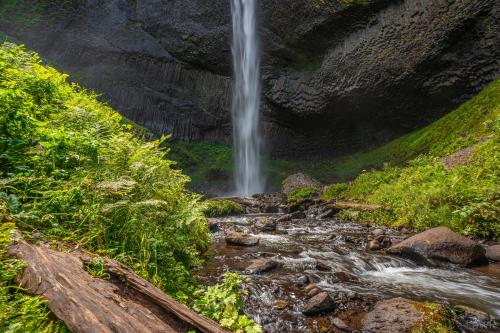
[246,98]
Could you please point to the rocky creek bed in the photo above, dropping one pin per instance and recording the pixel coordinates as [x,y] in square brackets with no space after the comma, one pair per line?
[311,274]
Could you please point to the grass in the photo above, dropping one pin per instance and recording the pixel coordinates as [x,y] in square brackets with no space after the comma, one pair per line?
[222,208]
[424,193]
[301,193]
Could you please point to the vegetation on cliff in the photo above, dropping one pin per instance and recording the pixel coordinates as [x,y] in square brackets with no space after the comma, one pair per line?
[451,177]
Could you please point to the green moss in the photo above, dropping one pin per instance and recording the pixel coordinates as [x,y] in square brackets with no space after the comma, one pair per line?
[435,319]
[301,193]
[216,208]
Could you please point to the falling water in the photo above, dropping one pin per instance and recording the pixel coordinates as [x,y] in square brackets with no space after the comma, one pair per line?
[246,98]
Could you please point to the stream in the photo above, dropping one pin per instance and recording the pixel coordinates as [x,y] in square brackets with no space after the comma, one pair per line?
[332,254]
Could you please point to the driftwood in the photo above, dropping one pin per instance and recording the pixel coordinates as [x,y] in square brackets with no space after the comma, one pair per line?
[123,303]
[337,206]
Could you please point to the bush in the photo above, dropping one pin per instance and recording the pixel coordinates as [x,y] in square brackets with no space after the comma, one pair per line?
[82,175]
[222,208]
[223,302]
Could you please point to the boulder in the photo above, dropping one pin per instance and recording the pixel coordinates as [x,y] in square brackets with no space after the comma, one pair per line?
[241,239]
[493,252]
[313,292]
[260,266]
[440,245]
[299,180]
[378,232]
[266,224]
[374,245]
[318,304]
[397,315]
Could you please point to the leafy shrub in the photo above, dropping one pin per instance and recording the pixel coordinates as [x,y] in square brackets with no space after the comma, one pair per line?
[82,175]
[223,302]
[301,193]
[214,208]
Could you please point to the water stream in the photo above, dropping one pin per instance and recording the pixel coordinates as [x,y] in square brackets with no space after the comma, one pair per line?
[355,277]
[246,98]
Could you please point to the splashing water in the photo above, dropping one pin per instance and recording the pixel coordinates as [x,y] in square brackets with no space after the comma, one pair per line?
[246,98]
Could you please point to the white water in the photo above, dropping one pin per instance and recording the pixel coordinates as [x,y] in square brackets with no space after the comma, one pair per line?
[246,98]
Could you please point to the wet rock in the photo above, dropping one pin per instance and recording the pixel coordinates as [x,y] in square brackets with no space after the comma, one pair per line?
[298,215]
[473,320]
[313,292]
[299,180]
[329,213]
[302,281]
[440,245]
[493,252]
[301,205]
[339,323]
[260,266]
[346,277]
[241,239]
[397,315]
[377,232]
[266,224]
[320,303]
[374,245]
[213,226]
[280,305]
[321,266]
[310,287]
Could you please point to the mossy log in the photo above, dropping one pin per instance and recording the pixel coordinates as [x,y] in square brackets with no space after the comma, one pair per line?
[123,303]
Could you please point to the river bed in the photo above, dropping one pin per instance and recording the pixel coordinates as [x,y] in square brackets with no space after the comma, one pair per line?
[332,254]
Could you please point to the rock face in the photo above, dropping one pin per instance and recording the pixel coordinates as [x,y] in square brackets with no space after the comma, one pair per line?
[396,315]
[298,180]
[330,68]
[440,244]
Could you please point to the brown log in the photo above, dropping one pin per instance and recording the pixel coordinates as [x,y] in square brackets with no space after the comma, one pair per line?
[123,303]
[352,205]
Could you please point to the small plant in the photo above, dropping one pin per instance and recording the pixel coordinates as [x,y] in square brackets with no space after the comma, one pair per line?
[223,302]
[435,319]
[222,208]
[97,269]
[301,193]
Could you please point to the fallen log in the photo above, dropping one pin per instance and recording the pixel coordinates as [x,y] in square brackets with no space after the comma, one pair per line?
[123,303]
[339,205]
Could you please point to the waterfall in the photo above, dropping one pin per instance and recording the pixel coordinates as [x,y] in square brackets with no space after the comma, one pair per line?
[246,98]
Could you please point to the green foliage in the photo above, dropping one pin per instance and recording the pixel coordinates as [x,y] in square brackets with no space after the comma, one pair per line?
[425,193]
[82,175]
[222,208]
[301,193]
[204,161]
[435,319]
[223,302]
[334,192]
[96,268]
[19,312]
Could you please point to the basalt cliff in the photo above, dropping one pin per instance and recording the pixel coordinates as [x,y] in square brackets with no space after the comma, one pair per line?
[337,75]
